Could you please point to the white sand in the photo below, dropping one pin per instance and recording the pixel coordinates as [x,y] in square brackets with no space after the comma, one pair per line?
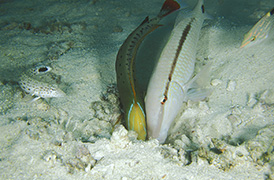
[228,136]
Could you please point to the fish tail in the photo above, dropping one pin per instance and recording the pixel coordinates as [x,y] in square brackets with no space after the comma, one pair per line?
[199,6]
[168,7]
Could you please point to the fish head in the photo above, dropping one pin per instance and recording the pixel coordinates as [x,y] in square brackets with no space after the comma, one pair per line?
[254,36]
[136,120]
[251,39]
[161,110]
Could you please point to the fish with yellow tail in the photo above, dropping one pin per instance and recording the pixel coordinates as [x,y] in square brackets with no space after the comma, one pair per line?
[131,98]
[259,31]
[172,76]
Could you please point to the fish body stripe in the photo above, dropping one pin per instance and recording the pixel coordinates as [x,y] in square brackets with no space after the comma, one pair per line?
[179,48]
[130,47]
[138,38]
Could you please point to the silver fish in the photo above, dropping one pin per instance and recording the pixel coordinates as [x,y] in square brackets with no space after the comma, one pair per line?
[172,76]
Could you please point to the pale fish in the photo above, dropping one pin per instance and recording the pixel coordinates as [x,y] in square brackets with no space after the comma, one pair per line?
[131,98]
[37,88]
[172,76]
[259,31]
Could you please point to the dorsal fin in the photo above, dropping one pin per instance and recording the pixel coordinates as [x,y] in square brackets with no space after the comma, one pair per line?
[168,7]
[144,21]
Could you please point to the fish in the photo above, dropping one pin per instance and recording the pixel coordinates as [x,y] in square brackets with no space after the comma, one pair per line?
[259,31]
[173,75]
[37,88]
[150,50]
[131,98]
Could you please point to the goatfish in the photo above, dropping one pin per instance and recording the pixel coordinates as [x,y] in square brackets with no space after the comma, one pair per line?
[172,76]
[259,31]
[131,99]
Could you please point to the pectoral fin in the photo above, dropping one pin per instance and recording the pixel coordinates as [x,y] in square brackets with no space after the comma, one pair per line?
[196,87]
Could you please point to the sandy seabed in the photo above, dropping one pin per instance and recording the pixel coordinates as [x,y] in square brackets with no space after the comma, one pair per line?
[227,136]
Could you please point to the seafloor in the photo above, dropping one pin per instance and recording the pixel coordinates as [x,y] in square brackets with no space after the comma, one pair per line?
[227,136]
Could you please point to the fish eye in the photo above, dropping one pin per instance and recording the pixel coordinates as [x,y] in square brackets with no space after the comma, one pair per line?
[253,38]
[164,100]
[43,69]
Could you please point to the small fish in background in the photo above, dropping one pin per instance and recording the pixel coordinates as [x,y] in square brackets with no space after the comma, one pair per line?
[172,81]
[131,98]
[259,31]
[36,87]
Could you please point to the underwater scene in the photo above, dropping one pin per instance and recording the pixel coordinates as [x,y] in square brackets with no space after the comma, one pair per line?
[136,89]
